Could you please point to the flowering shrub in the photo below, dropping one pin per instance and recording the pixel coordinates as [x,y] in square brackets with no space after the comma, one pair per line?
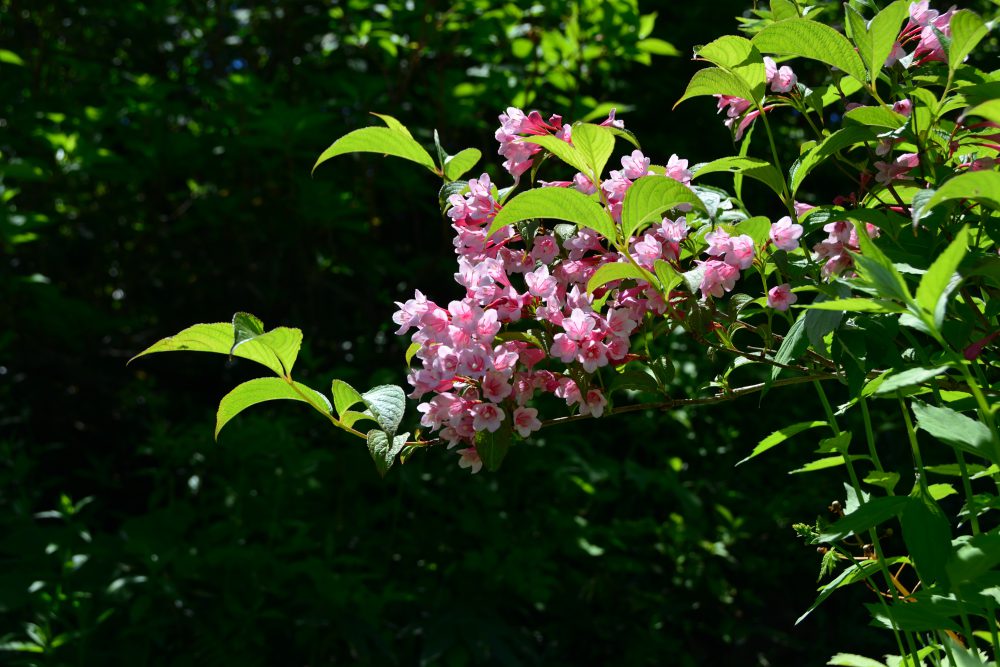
[572,286]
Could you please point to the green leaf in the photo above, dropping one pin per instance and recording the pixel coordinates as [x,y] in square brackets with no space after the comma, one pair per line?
[562,150]
[869,515]
[878,270]
[989,110]
[740,57]
[857,305]
[755,168]
[10,58]
[808,39]
[883,30]
[715,81]
[967,30]
[983,186]
[392,123]
[411,352]
[822,464]
[974,557]
[936,284]
[881,117]
[852,660]
[779,437]
[796,342]
[649,196]
[387,403]
[344,396]
[455,166]
[927,535]
[596,144]
[861,571]
[273,351]
[382,453]
[260,390]
[668,276]
[908,378]
[836,142]
[492,447]
[955,429]
[923,615]
[657,47]
[783,9]
[556,204]
[378,140]
[607,273]
[245,327]
[351,417]
[884,480]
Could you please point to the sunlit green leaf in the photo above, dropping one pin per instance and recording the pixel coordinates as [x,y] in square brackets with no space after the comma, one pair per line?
[382,452]
[384,140]
[936,284]
[780,436]
[649,197]
[260,390]
[607,273]
[967,30]
[556,204]
[755,168]
[455,166]
[956,429]
[808,39]
[387,403]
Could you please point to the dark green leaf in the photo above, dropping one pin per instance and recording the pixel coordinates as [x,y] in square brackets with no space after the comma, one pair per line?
[927,535]
[869,515]
[492,447]
[383,453]
[955,429]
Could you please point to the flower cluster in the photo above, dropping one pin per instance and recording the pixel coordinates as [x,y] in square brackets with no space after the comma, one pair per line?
[924,27]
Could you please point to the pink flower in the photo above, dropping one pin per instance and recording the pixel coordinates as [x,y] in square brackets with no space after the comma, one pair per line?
[409,313]
[487,417]
[740,253]
[782,80]
[594,403]
[635,165]
[578,325]
[495,386]
[904,107]
[470,459]
[717,278]
[593,355]
[564,348]
[647,251]
[802,208]
[677,169]
[781,297]
[719,242]
[526,421]
[674,231]
[610,121]
[785,234]
[896,170]
[544,249]
[540,283]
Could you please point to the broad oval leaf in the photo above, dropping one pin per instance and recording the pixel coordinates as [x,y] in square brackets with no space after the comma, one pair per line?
[595,144]
[387,403]
[955,429]
[571,155]
[493,447]
[383,140]
[260,390]
[910,377]
[875,117]
[739,56]
[983,186]
[344,396]
[927,535]
[607,273]
[384,449]
[808,39]
[716,81]
[457,165]
[967,30]
[755,168]
[555,204]
[650,196]
[883,30]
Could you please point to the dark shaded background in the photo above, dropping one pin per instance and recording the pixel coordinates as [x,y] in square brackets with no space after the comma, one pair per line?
[155,173]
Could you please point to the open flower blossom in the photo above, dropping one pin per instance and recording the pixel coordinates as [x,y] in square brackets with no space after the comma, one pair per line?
[897,169]
[781,297]
[785,234]
[470,459]
[781,80]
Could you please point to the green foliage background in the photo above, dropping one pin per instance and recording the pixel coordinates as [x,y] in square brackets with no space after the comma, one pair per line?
[155,172]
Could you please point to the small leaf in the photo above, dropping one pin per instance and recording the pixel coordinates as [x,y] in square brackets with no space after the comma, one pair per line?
[869,515]
[974,557]
[387,403]
[382,453]
[562,150]
[596,144]
[908,378]
[955,429]
[715,81]
[260,390]
[667,275]
[344,396]
[880,117]
[861,571]
[857,305]
[384,140]
[852,660]
[884,29]
[493,447]
[755,168]
[808,39]
[884,480]
[10,58]
[411,352]
[779,437]
[455,166]
[649,196]
[657,47]
[607,273]
[937,283]
[245,327]
[967,30]
[556,204]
